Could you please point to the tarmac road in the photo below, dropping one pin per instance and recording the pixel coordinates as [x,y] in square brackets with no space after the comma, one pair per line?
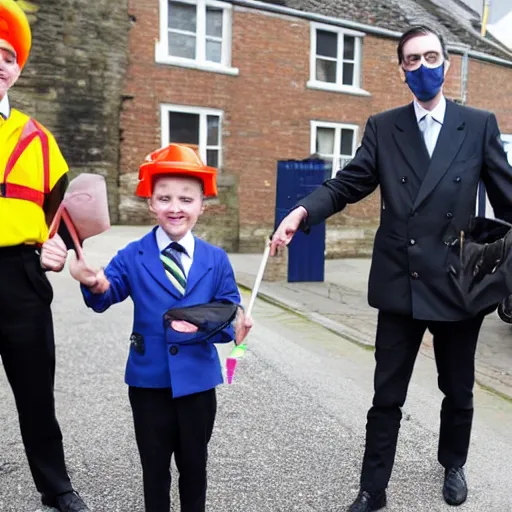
[289,434]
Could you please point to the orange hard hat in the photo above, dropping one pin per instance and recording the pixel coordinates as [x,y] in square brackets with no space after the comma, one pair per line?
[178,159]
[15,33]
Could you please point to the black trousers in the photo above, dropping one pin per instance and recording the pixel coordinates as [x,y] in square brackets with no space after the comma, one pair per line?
[397,344]
[165,425]
[27,349]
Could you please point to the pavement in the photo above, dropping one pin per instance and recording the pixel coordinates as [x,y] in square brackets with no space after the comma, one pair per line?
[289,434]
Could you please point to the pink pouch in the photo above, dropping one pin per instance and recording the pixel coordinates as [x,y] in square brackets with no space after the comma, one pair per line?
[84,209]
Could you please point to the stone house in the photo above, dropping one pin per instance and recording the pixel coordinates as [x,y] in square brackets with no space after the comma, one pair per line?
[249,82]
[253,82]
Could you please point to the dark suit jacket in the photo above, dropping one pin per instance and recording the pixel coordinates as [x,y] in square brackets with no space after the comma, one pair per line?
[426,203]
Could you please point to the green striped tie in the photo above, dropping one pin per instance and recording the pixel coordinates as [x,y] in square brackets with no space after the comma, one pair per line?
[171,258]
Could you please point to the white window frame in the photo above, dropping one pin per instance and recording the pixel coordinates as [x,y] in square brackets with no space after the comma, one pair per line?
[489,211]
[507,139]
[167,108]
[313,83]
[314,125]
[162,46]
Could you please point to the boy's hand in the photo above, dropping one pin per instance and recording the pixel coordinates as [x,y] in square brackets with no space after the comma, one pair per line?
[243,325]
[102,283]
[53,254]
[93,279]
[183,326]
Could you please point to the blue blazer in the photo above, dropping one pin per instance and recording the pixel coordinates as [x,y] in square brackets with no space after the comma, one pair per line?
[163,358]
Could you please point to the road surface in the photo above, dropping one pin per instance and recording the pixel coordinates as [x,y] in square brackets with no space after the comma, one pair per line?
[289,434]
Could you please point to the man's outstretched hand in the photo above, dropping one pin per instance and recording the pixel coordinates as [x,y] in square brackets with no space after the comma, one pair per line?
[287,229]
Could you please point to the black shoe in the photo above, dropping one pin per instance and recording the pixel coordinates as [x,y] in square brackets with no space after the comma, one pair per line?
[455,488]
[67,502]
[367,502]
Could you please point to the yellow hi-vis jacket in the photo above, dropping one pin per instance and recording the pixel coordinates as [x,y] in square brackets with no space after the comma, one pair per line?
[30,166]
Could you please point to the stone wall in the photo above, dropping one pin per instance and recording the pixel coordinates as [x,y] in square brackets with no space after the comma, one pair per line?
[73,80]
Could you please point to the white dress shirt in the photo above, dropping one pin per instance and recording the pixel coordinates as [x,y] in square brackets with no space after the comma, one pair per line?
[5,108]
[187,242]
[430,122]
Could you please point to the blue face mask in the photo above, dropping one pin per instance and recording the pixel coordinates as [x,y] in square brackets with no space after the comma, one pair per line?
[425,83]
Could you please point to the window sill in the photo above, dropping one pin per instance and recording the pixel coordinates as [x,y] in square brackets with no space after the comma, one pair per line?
[345,89]
[200,66]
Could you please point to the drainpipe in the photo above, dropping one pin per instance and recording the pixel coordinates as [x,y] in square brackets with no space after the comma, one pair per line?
[464,51]
[464,75]
[481,200]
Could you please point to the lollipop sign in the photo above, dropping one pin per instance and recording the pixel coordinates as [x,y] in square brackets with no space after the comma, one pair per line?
[239,350]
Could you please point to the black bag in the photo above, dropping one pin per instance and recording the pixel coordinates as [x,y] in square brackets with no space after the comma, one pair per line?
[484,274]
[505,310]
[210,319]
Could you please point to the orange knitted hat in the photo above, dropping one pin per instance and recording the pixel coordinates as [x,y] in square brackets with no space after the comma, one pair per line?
[175,159]
[15,33]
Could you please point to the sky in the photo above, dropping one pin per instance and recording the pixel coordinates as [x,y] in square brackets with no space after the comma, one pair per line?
[499,8]
[500,18]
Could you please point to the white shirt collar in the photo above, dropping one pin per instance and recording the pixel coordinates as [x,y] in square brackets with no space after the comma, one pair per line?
[5,108]
[437,114]
[187,242]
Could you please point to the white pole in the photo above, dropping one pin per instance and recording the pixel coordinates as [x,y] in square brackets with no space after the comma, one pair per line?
[259,277]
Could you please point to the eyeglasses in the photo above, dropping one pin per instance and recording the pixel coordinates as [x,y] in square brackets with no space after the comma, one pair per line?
[414,60]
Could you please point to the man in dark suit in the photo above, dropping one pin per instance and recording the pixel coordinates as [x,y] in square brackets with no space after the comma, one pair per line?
[428,158]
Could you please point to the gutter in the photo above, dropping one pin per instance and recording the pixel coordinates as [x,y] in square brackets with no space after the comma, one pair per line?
[370,29]
[489,58]
[320,18]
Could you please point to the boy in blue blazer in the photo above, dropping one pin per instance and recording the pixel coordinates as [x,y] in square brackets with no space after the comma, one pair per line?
[171,376]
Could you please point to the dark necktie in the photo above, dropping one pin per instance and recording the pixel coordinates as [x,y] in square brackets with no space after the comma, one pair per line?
[171,259]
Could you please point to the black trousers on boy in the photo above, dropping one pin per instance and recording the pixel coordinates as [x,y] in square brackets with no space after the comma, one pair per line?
[27,349]
[397,344]
[165,425]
